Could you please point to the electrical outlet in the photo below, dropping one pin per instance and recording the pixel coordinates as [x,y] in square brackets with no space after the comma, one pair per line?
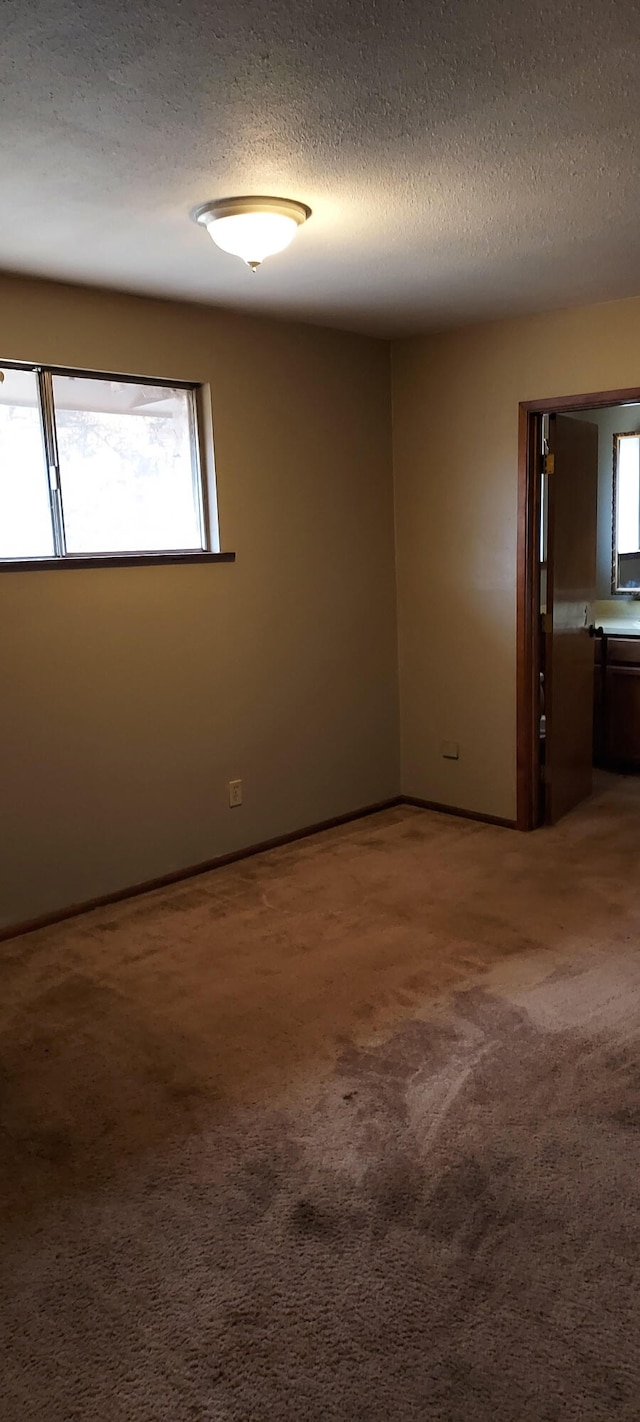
[449,750]
[235,793]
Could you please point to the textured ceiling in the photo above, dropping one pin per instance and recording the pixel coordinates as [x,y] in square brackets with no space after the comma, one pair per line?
[462,159]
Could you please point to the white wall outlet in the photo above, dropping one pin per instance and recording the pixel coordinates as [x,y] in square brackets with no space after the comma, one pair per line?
[449,750]
[235,793]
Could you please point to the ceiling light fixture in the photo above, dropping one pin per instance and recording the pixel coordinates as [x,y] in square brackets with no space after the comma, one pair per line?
[252,227]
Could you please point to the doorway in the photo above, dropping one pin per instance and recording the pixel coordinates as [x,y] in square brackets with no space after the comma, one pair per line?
[568,663]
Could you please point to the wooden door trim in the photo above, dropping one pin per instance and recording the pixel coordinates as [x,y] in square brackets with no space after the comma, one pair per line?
[528,582]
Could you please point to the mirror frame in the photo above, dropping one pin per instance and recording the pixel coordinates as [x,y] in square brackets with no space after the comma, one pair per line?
[615,589]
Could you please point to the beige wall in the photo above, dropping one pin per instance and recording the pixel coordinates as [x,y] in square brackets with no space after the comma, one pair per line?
[455,417]
[131,696]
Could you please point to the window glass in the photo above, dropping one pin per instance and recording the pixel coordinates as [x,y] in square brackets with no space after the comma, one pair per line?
[628,494]
[25,515]
[129,469]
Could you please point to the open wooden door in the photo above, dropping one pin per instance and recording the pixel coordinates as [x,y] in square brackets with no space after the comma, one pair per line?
[572,468]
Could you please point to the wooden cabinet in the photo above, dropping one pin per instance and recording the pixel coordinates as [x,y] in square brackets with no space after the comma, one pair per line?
[616,741]
[598,703]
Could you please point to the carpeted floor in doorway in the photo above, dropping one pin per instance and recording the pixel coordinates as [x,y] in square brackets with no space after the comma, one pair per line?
[347,1133]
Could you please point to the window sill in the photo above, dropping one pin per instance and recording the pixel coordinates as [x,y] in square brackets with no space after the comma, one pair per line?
[111,560]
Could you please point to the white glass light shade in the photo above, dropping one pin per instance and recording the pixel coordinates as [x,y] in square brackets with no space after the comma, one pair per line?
[253,235]
[252,228]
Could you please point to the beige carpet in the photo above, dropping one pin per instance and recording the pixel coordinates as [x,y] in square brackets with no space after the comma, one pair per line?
[347,1133]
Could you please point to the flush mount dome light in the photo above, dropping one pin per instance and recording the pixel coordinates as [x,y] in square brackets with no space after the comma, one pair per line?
[252,227]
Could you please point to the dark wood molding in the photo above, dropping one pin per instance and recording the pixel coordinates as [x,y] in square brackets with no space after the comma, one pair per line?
[528,603]
[528,581]
[111,560]
[570,404]
[175,876]
[457,812]
[163,881]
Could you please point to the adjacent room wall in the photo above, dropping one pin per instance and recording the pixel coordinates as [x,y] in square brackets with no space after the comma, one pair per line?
[455,417]
[131,696]
[610,422]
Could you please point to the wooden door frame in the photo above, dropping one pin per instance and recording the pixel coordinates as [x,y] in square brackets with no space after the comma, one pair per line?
[528,583]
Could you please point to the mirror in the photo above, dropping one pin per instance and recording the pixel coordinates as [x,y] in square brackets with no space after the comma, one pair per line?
[625,568]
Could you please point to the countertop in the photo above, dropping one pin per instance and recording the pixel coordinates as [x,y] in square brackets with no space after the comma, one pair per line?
[620,627]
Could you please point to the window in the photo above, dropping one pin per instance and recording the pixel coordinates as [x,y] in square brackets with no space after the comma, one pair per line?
[96,467]
[626,512]
[628,471]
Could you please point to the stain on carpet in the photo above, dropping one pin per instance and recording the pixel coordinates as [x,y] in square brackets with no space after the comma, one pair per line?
[231,1204]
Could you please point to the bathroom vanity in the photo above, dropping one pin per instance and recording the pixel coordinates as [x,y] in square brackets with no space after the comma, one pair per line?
[616,719]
